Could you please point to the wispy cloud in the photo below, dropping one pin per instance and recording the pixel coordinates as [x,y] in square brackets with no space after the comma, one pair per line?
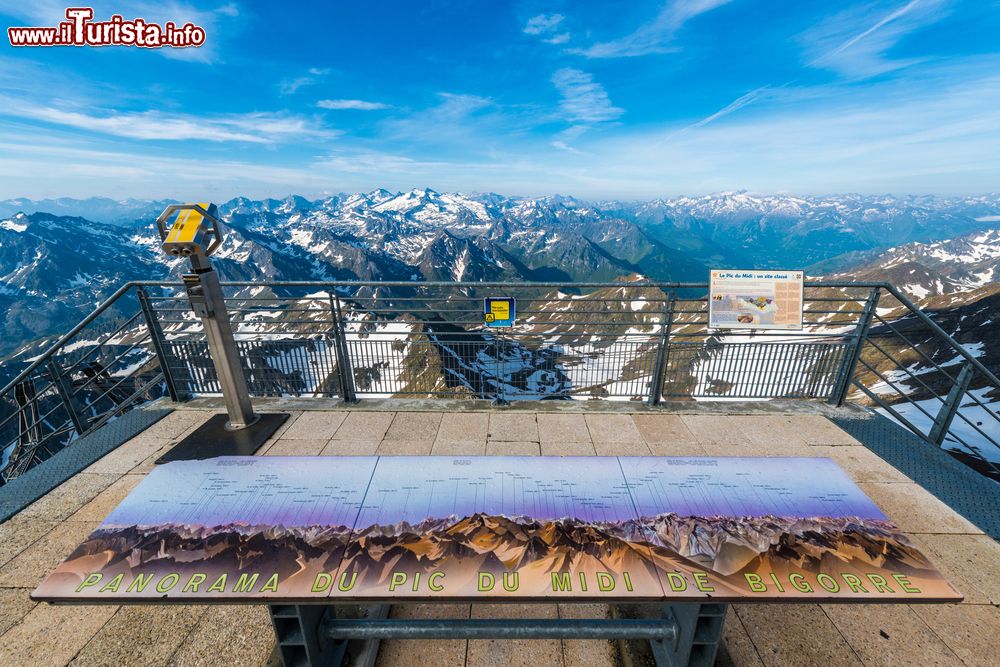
[359,105]
[258,128]
[312,76]
[547,28]
[735,105]
[855,42]
[583,99]
[655,36]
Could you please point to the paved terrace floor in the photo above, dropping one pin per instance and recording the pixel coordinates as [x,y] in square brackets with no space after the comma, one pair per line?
[34,541]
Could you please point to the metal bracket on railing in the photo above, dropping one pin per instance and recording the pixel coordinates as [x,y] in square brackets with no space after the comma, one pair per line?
[858,337]
[942,422]
[345,371]
[65,392]
[663,350]
[160,347]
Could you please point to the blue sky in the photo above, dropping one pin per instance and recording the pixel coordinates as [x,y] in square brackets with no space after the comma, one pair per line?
[593,99]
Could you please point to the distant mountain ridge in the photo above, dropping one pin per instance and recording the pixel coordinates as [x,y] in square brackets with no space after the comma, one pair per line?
[55,267]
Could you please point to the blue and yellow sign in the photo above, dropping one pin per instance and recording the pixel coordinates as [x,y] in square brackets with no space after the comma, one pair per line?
[499,312]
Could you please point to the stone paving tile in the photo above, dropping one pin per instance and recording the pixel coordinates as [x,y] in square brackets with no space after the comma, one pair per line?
[364,426]
[464,426]
[714,429]
[459,448]
[736,648]
[18,533]
[177,424]
[50,635]
[350,448]
[677,449]
[751,449]
[68,497]
[768,429]
[404,448]
[100,507]
[622,449]
[970,562]
[588,652]
[513,427]
[818,430]
[292,418]
[404,652]
[244,630]
[513,449]
[127,456]
[568,449]
[141,635]
[860,463]
[799,634]
[319,425]
[971,631]
[31,566]
[506,653]
[665,429]
[563,428]
[414,426]
[14,605]
[295,447]
[913,508]
[889,634]
[149,462]
[612,428]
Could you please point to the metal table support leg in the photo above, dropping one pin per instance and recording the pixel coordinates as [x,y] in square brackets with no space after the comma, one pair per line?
[301,642]
[345,635]
[699,631]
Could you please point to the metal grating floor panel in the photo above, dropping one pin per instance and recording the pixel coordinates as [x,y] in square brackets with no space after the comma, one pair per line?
[39,480]
[969,493]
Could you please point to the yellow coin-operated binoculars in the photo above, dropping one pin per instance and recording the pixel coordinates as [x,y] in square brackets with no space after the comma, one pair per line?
[195,234]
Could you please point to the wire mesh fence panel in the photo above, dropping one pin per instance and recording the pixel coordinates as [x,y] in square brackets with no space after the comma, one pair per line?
[289,367]
[754,370]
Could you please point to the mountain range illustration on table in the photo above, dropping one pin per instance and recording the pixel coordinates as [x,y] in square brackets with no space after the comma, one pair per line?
[530,528]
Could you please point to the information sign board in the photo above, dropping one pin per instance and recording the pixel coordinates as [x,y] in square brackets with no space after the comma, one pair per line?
[755,299]
[499,312]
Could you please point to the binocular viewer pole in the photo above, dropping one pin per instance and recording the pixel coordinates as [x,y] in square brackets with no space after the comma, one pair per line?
[195,235]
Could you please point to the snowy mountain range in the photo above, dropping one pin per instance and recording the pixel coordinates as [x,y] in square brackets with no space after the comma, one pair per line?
[60,257]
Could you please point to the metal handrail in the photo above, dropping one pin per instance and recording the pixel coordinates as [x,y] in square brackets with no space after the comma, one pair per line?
[641,353]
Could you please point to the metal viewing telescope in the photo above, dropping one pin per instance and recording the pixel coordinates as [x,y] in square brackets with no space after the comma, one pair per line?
[196,234]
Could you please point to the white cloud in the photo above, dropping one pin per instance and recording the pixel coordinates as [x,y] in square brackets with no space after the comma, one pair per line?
[655,36]
[735,105]
[546,27]
[260,128]
[292,86]
[360,105]
[583,100]
[542,24]
[854,42]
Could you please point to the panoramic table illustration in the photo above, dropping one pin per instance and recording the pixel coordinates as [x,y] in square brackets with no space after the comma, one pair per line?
[400,528]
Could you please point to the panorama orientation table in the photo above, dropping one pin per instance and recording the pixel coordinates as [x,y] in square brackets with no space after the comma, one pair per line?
[320,537]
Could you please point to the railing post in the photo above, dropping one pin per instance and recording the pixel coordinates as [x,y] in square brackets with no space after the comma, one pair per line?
[345,371]
[662,350]
[500,399]
[159,346]
[80,422]
[942,422]
[859,337]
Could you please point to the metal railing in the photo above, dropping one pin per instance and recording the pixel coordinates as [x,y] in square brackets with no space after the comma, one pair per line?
[639,341]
